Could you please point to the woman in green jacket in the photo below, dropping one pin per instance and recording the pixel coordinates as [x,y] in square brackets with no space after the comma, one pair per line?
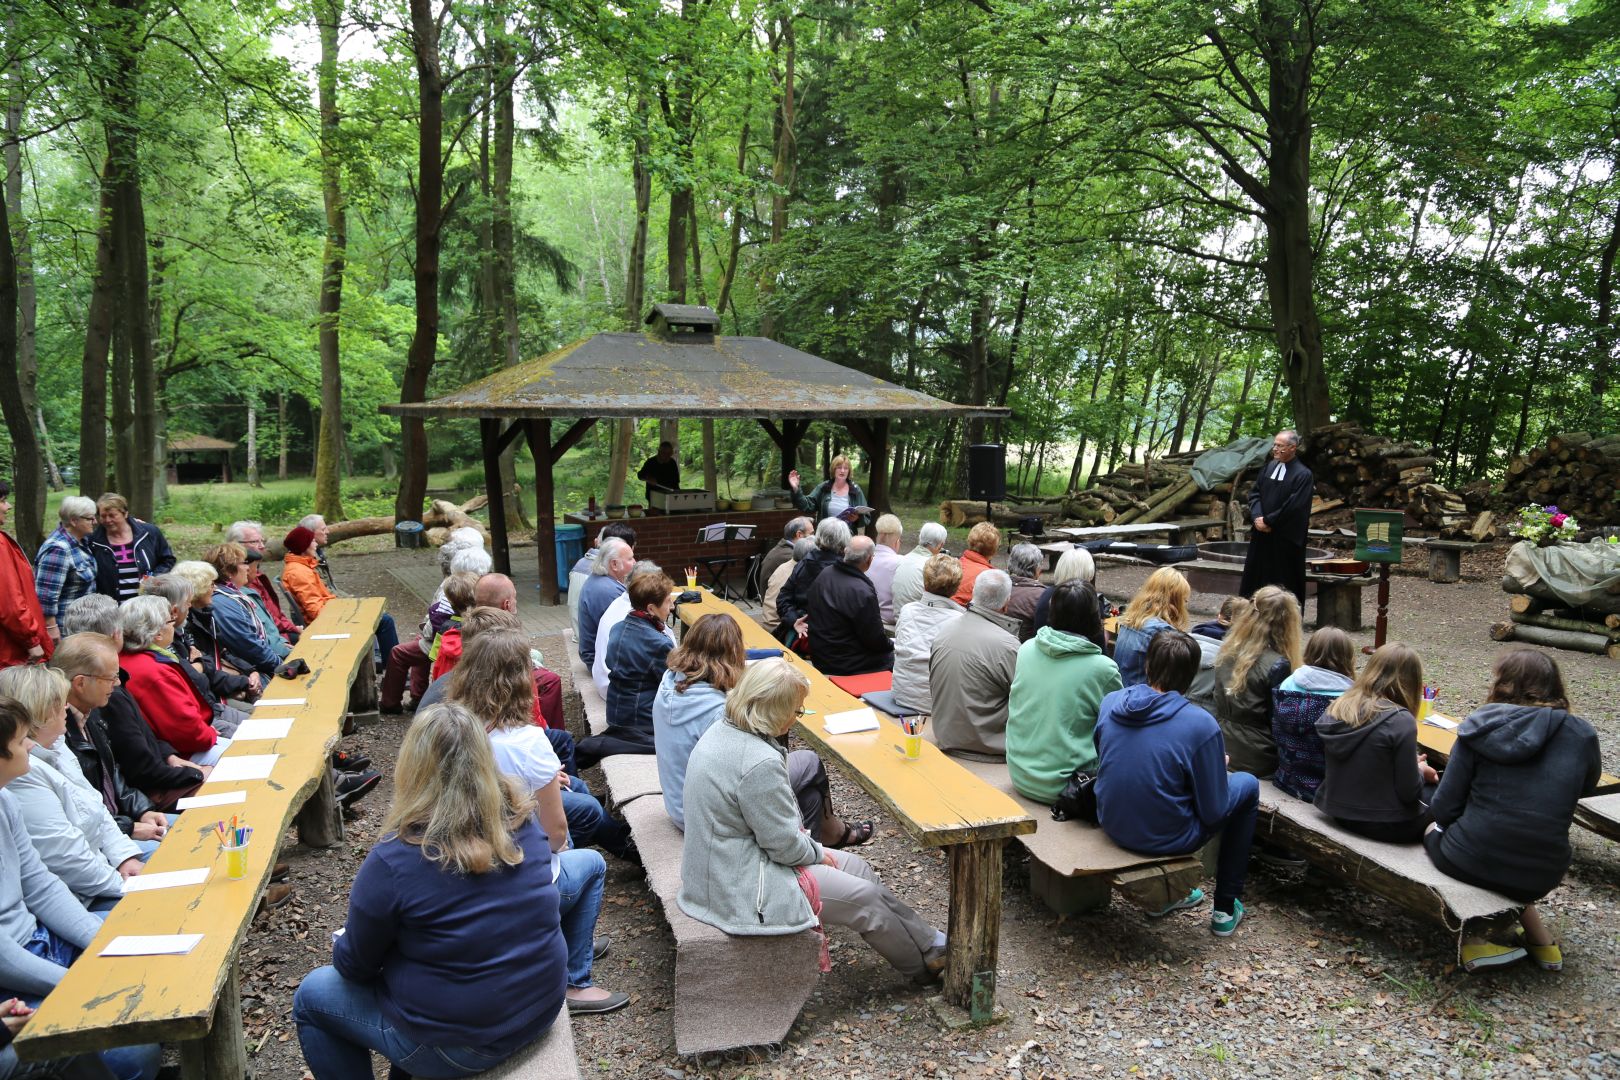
[831,498]
[1061,678]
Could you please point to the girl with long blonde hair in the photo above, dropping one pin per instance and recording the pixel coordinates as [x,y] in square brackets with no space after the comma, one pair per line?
[1259,652]
[457,893]
[1161,603]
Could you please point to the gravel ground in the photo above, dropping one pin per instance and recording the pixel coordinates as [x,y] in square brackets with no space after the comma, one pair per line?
[1321,979]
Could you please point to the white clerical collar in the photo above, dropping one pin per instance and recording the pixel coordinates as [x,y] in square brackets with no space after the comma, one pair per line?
[1279,472]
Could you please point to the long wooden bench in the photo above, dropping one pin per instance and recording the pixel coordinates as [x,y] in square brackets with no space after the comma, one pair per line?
[729,991]
[194,999]
[550,1057]
[1074,866]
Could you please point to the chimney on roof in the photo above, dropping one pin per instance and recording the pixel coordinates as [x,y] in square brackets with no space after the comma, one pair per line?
[686,324]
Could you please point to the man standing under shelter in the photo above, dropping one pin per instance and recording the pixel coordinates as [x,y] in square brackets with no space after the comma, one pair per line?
[1280,506]
[661,471]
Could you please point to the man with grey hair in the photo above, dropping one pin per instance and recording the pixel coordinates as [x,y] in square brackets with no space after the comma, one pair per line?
[250,534]
[1280,506]
[609,572]
[885,561]
[793,602]
[317,525]
[1024,567]
[908,576]
[64,568]
[802,547]
[782,552]
[845,622]
[613,616]
[970,672]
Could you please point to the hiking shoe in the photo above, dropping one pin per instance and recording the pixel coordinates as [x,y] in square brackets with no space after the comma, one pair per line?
[1191,900]
[346,762]
[600,946]
[1222,924]
[1547,957]
[352,787]
[1488,954]
[280,872]
[275,896]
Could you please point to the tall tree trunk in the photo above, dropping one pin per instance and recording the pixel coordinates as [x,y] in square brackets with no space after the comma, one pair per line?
[784,165]
[253,442]
[429,217]
[619,461]
[503,242]
[98,334]
[19,372]
[123,410]
[680,214]
[635,287]
[281,436]
[329,303]
[1603,346]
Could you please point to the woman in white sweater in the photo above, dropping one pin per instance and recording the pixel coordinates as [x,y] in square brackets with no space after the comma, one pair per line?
[75,836]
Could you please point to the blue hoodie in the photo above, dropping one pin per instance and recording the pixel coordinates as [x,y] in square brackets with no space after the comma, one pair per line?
[1161,771]
[679,719]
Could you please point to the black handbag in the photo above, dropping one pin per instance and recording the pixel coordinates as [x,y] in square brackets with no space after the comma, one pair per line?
[1078,799]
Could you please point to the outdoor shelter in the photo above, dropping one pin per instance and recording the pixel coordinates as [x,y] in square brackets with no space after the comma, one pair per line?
[190,454]
[681,368]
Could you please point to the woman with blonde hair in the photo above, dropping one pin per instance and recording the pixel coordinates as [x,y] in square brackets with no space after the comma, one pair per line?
[126,549]
[703,669]
[983,541]
[452,957]
[748,866]
[492,681]
[1160,604]
[1259,652]
[1374,780]
[831,498]
[75,836]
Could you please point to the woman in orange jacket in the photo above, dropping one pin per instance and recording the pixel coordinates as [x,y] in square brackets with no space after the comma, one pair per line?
[301,575]
[22,624]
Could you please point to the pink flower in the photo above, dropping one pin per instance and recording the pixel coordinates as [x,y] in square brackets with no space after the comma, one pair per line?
[1558,520]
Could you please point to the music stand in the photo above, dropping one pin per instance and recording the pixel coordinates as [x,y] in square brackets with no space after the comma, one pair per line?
[721,533]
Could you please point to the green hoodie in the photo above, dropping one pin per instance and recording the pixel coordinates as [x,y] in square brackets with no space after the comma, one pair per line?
[1052,712]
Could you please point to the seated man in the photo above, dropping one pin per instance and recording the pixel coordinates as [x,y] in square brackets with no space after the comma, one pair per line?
[1162,785]
[885,562]
[608,575]
[908,576]
[250,534]
[782,551]
[1024,564]
[581,570]
[802,547]
[846,622]
[970,672]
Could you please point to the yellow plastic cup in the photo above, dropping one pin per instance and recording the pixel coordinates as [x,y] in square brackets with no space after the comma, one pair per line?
[913,747]
[236,862]
[1425,707]
[691,581]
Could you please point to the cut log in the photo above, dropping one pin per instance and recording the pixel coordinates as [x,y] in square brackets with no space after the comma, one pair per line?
[1557,622]
[1525,605]
[441,515]
[1483,526]
[1558,639]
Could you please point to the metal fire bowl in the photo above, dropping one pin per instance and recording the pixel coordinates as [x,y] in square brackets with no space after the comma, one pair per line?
[1235,551]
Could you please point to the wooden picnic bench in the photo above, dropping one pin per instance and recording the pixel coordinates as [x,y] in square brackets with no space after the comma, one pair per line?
[1184,531]
[194,999]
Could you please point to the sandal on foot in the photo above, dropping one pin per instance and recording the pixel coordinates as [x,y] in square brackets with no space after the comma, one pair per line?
[854,835]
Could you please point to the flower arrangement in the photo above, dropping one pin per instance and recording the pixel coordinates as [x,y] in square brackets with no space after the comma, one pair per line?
[1545,525]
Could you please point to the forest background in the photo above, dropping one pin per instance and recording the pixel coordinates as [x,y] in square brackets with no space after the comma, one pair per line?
[1145,225]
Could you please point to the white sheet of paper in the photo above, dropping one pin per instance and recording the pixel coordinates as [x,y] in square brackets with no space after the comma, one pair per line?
[1440,722]
[172,879]
[222,798]
[266,727]
[847,723]
[246,767]
[262,702]
[326,637]
[151,945]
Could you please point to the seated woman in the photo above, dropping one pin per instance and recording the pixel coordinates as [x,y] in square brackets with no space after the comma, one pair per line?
[301,574]
[1296,706]
[176,592]
[1374,781]
[702,670]
[1062,678]
[75,836]
[1160,604]
[444,651]
[983,541]
[746,849]
[1162,785]
[229,676]
[1209,636]
[241,622]
[915,630]
[637,651]
[1076,564]
[1024,565]
[1504,807]
[1259,652]
[45,926]
[178,714]
[452,958]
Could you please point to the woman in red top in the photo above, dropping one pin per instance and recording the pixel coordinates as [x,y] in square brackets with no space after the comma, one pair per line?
[172,707]
[22,623]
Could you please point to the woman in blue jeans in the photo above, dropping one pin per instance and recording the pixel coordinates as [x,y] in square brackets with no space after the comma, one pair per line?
[43,927]
[1162,785]
[452,958]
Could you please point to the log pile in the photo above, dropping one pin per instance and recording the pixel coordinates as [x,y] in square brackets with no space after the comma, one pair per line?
[1577,472]
[1537,615]
[1156,490]
[1371,470]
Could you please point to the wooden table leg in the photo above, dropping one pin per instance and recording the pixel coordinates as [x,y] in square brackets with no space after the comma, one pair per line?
[222,1053]
[320,819]
[362,697]
[974,932]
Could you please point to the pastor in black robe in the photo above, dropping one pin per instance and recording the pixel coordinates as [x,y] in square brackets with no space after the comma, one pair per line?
[1278,557]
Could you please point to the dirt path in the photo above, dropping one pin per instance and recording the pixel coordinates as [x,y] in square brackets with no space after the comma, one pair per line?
[1321,979]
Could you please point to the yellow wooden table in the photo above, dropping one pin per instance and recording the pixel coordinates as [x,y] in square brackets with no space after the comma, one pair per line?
[933,798]
[194,999]
[1436,742]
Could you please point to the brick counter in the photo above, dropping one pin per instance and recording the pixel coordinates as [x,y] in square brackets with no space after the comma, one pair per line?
[670,540]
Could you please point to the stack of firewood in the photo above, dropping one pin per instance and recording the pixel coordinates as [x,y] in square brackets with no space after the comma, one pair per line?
[1536,614]
[1153,490]
[1575,471]
[1371,470]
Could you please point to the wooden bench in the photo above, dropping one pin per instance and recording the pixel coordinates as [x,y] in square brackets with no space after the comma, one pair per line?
[1074,866]
[1445,557]
[1600,814]
[1400,873]
[550,1057]
[194,1000]
[730,991]
[937,802]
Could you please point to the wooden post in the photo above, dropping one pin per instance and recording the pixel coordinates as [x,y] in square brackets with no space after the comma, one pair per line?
[1445,565]
[1338,605]
[320,819]
[489,432]
[222,1053]
[1381,627]
[363,696]
[545,510]
[974,930]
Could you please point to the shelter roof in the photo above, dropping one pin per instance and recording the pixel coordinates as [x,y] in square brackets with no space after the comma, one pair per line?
[185,440]
[632,374]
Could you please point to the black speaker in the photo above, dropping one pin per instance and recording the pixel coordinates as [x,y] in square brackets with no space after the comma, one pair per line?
[987,472]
